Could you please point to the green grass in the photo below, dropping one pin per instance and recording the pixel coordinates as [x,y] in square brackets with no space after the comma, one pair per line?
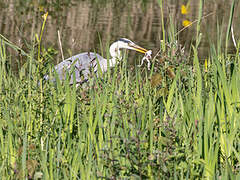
[177,121]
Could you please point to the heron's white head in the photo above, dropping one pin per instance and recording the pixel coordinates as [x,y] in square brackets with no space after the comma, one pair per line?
[124,43]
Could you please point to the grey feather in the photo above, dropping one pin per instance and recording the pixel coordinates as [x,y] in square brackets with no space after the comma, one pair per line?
[82,65]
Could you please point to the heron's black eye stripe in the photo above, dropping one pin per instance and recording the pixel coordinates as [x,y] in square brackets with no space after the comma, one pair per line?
[124,40]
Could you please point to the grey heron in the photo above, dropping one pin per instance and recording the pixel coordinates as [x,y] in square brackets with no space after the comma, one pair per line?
[84,63]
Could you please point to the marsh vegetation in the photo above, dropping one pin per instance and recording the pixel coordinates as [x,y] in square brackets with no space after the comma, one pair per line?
[178,120]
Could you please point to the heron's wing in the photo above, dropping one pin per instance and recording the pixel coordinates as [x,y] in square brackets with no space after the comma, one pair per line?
[81,64]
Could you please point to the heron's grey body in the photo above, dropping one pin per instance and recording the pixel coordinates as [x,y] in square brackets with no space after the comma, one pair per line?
[81,65]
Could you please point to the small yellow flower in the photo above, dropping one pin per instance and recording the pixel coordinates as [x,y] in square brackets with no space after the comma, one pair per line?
[186,23]
[206,65]
[184,9]
[41,8]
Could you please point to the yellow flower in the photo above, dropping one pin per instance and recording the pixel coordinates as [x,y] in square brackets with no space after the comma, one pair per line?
[206,65]
[41,8]
[186,23]
[184,9]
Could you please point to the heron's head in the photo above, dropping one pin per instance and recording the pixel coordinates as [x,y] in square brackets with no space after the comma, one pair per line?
[128,44]
[124,43]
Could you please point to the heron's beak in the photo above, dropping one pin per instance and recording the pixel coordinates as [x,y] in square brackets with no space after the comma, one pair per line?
[138,48]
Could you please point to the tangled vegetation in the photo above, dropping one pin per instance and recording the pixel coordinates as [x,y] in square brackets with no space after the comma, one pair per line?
[178,121]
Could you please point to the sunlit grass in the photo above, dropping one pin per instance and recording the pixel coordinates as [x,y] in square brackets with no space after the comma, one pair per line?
[180,120]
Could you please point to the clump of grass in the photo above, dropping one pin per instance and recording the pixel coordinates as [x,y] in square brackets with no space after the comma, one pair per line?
[179,121]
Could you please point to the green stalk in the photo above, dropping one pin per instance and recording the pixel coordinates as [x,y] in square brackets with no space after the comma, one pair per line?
[198,34]
[229,25]
[40,61]
[163,42]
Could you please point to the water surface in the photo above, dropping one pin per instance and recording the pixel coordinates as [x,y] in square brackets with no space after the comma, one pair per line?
[86,25]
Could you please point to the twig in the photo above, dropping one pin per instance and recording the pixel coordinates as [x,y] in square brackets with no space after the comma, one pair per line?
[234,41]
[157,54]
[233,38]
[60,44]
[193,23]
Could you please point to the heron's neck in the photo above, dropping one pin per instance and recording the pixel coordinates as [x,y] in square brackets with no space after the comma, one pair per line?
[112,62]
[115,52]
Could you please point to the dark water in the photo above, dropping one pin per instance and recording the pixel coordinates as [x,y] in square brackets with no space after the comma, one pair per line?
[86,24]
